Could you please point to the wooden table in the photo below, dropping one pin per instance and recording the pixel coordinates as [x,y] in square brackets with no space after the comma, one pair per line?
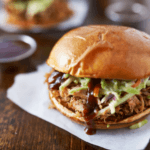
[22,131]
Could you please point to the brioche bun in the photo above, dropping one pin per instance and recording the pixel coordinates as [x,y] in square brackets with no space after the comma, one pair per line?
[103,51]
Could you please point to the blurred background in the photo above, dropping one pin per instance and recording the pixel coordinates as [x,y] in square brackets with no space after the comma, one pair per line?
[50,19]
[29,29]
[133,13]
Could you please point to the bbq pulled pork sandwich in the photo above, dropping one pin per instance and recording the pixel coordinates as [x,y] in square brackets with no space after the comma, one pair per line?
[40,12]
[100,76]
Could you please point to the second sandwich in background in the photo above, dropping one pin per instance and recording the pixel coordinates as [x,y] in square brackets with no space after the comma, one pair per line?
[44,13]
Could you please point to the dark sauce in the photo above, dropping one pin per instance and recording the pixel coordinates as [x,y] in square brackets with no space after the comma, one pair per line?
[54,76]
[109,97]
[55,80]
[91,108]
[9,49]
[89,129]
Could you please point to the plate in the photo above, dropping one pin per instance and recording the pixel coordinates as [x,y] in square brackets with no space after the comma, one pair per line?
[79,8]
[9,53]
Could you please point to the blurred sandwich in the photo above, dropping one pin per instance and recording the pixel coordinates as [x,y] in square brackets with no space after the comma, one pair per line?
[45,13]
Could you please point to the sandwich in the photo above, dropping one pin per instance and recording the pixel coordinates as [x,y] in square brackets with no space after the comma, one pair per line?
[100,77]
[44,13]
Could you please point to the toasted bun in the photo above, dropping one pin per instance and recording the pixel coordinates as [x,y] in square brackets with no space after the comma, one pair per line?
[102,51]
[98,125]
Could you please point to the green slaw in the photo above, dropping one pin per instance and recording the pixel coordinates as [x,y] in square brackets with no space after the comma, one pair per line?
[115,87]
[139,124]
[83,81]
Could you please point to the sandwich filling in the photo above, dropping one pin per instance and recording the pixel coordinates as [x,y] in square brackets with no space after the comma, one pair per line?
[106,100]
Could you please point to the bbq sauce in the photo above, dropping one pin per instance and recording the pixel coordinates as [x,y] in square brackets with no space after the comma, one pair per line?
[10,49]
[91,107]
[89,129]
[55,80]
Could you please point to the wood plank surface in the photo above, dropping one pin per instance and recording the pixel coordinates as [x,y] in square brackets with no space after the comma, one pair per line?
[22,131]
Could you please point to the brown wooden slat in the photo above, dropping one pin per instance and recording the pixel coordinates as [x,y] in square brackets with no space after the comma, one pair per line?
[22,131]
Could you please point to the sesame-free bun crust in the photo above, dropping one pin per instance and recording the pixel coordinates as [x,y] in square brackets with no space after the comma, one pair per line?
[98,125]
[102,51]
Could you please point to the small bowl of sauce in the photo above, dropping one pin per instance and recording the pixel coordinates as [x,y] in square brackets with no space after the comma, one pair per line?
[16,47]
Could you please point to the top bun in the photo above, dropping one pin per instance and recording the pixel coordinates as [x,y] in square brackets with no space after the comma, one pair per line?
[103,51]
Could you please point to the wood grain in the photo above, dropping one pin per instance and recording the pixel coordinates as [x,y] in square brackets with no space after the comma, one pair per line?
[22,131]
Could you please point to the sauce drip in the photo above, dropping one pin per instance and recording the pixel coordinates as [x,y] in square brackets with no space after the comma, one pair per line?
[55,80]
[91,108]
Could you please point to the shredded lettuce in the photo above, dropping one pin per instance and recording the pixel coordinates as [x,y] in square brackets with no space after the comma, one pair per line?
[148,96]
[146,80]
[132,90]
[77,89]
[76,81]
[116,84]
[115,87]
[138,125]
[66,83]
[107,93]
[84,84]
[66,75]
[148,83]
[136,90]
[84,81]
[114,104]
[103,84]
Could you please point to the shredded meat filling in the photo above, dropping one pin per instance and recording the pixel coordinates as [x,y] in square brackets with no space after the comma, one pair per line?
[77,102]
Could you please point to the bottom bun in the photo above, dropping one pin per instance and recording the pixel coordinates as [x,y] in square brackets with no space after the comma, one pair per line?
[98,125]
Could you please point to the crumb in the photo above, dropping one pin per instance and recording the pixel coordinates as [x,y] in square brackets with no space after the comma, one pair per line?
[51,106]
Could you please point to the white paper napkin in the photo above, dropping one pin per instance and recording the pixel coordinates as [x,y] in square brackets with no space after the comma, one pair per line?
[31,94]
